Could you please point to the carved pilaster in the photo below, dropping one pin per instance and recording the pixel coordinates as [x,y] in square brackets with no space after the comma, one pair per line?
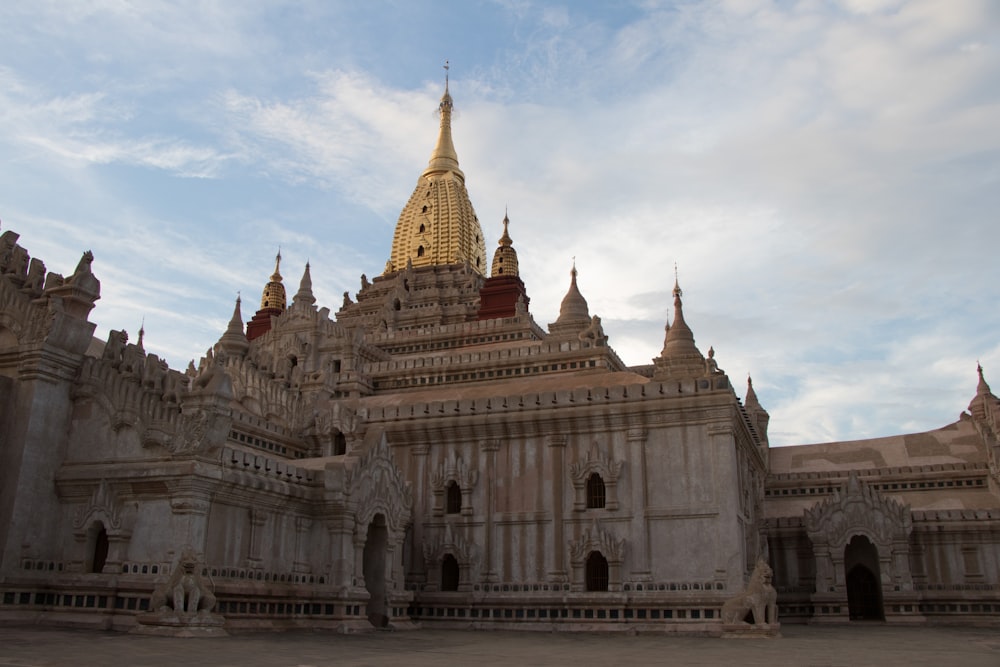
[258,520]
[302,526]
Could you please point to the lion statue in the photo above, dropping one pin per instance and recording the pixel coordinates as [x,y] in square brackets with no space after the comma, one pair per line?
[759,597]
[185,593]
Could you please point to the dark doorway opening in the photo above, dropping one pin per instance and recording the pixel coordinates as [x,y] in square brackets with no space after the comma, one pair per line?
[449,573]
[99,551]
[597,572]
[864,590]
[373,568]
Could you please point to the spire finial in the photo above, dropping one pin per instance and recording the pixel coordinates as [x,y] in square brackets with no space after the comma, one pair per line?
[505,239]
[142,330]
[444,158]
[277,266]
[305,294]
[234,340]
[983,387]
[447,66]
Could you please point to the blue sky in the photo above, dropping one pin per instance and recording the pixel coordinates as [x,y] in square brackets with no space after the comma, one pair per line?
[826,175]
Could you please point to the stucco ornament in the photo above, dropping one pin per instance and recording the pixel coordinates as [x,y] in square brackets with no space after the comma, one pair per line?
[857,508]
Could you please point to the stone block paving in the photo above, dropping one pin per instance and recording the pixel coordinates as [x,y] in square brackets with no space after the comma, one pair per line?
[827,646]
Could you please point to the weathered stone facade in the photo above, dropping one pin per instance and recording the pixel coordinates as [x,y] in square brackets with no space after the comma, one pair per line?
[419,456]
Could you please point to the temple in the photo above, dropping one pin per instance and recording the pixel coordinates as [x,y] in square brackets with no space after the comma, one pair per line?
[428,454]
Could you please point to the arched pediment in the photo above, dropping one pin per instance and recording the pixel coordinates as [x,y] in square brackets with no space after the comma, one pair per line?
[858,509]
[376,486]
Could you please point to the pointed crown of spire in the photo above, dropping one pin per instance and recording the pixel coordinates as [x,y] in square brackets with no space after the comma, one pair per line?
[982,388]
[751,401]
[984,403]
[234,340]
[573,307]
[444,157]
[274,291]
[680,357]
[679,336]
[505,257]
[305,294]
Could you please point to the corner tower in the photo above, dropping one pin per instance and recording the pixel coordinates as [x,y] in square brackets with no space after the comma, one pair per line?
[272,303]
[503,293]
[438,224]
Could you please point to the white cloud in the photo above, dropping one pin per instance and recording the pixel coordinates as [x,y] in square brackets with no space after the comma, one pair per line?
[825,177]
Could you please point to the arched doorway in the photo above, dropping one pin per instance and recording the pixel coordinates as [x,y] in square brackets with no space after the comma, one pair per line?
[97,547]
[864,590]
[373,568]
[597,572]
[450,573]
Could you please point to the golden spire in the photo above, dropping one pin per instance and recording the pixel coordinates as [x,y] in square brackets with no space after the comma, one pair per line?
[444,158]
[505,257]
[274,291]
[438,225]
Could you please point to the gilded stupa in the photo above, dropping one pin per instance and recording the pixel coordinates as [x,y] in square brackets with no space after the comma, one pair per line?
[438,225]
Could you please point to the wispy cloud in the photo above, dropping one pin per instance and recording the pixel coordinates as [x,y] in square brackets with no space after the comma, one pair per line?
[824,174]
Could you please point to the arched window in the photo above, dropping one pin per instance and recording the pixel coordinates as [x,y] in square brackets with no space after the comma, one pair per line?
[420,251]
[597,572]
[422,227]
[454,502]
[99,556]
[596,497]
[449,573]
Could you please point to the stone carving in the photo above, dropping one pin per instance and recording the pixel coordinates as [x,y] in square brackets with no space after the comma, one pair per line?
[115,347]
[377,486]
[759,597]
[83,268]
[175,385]
[603,465]
[35,282]
[607,544]
[103,507]
[594,333]
[186,593]
[17,267]
[856,508]
[201,431]
[466,554]
[153,373]
[8,241]
[132,362]
[711,365]
[595,539]
[183,605]
[457,471]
